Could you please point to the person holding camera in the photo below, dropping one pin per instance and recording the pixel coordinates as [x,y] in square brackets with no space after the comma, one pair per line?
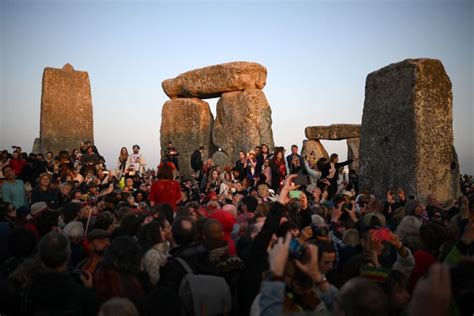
[293,284]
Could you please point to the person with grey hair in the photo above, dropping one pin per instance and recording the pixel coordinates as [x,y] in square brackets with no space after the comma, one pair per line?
[53,290]
[118,306]
[75,231]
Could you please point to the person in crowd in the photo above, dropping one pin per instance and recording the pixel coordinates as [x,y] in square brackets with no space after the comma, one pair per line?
[136,161]
[17,162]
[262,156]
[123,164]
[213,182]
[90,160]
[295,161]
[13,190]
[171,155]
[280,247]
[196,162]
[329,172]
[165,189]
[53,291]
[153,240]
[278,169]
[117,274]
[98,240]
[252,166]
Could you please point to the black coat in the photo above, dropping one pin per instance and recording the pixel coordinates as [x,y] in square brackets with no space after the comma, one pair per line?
[256,259]
[196,161]
[53,293]
[195,256]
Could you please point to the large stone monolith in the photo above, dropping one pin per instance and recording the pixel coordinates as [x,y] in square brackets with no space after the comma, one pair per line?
[187,123]
[213,81]
[407,133]
[353,153]
[243,121]
[333,131]
[66,110]
[313,149]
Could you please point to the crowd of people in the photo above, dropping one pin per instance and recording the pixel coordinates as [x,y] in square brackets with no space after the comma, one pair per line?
[272,234]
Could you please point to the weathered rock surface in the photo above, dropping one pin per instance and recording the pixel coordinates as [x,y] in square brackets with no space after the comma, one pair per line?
[187,123]
[243,121]
[36,146]
[333,132]
[313,149]
[407,134]
[353,146]
[66,109]
[213,81]
[221,159]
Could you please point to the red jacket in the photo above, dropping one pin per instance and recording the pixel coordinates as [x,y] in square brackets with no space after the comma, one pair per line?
[17,165]
[165,191]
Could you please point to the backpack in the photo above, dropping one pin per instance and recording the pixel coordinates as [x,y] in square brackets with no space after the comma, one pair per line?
[203,295]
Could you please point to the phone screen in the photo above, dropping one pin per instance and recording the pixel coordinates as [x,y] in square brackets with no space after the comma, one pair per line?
[295,194]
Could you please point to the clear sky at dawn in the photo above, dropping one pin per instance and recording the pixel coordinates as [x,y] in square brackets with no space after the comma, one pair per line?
[317,53]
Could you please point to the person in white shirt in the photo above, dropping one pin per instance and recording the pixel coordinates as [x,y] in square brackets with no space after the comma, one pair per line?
[137,161]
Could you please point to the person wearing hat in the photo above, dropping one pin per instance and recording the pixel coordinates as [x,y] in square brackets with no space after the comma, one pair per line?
[411,223]
[251,162]
[136,161]
[97,241]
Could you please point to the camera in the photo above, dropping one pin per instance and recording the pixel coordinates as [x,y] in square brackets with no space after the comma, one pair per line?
[347,206]
[319,231]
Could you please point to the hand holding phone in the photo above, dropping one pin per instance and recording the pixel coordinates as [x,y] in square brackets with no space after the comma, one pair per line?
[295,194]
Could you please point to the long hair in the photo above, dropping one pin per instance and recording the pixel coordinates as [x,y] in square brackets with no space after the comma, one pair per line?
[275,155]
[165,172]
[123,157]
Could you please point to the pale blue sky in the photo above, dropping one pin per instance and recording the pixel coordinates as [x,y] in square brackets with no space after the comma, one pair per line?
[318,54]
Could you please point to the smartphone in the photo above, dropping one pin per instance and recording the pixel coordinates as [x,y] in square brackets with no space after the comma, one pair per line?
[295,194]
[301,179]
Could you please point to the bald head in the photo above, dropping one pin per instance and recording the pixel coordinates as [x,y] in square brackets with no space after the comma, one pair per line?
[213,230]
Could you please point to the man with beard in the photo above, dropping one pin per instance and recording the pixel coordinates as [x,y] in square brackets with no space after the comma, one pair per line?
[98,241]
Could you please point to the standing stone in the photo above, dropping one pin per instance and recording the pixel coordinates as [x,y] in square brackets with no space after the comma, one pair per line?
[221,159]
[36,146]
[313,149]
[333,132]
[212,81]
[243,121]
[187,123]
[353,145]
[407,133]
[66,110]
